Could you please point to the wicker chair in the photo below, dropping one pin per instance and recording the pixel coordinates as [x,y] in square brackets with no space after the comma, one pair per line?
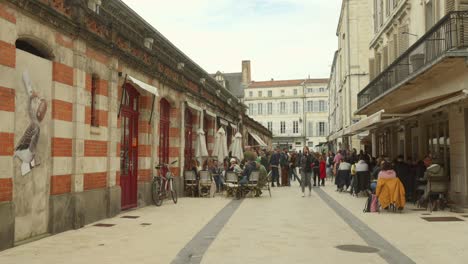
[190,180]
[205,183]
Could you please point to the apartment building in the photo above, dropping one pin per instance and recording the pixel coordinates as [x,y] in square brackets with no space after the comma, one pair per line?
[416,101]
[295,111]
[350,72]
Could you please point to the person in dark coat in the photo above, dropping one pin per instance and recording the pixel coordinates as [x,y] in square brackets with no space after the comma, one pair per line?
[274,165]
[284,162]
[403,172]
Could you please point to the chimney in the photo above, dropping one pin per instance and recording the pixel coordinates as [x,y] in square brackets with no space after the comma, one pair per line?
[246,75]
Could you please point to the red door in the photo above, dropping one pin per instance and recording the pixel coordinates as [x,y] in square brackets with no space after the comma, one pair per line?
[129,148]
[188,139]
[164,124]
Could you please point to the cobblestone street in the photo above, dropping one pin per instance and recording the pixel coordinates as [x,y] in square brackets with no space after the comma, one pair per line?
[283,229]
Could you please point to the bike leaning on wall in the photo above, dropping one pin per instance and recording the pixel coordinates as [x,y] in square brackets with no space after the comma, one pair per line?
[163,184]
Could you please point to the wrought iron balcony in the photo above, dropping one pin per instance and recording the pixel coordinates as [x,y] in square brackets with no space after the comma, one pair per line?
[449,35]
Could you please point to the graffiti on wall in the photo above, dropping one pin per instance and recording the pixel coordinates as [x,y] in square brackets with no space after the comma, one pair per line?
[26,147]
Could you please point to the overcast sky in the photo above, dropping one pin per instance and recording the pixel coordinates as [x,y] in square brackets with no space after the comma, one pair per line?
[284,39]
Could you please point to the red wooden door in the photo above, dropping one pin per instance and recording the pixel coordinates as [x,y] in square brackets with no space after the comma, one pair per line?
[129,148]
[164,124]
[188,139]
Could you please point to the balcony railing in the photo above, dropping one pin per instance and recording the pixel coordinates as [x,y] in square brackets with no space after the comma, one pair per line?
[449,34]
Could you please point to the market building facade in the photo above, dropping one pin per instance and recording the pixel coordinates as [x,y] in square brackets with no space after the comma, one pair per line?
[91,99]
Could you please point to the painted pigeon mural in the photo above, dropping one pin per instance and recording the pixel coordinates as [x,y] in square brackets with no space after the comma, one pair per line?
[26,147]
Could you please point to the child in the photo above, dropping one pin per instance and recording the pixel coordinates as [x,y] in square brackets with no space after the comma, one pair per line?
[323,170]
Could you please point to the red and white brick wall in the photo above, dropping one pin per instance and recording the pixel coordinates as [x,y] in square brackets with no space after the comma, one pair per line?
[7,100]
[95,156]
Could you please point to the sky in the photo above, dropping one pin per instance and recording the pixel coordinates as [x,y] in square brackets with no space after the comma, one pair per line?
[283,39]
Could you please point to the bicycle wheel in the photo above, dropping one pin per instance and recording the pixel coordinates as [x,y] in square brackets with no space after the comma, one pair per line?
[173,192]
[156,192]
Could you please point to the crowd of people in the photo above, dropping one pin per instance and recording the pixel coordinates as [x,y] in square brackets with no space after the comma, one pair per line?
[351,171]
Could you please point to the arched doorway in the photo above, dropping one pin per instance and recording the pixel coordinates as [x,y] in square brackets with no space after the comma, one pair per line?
[188,155]
[164,124]
[129,147]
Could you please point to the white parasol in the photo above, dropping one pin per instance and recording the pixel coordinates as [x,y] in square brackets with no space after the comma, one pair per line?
[236,147]
[200,147]
[220,149]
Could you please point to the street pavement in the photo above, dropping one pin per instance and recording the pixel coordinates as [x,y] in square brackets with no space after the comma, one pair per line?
[285,228]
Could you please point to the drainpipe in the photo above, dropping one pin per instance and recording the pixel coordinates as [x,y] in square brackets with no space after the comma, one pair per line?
[349,68]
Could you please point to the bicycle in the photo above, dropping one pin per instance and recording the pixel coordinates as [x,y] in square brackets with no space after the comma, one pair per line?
[161,185]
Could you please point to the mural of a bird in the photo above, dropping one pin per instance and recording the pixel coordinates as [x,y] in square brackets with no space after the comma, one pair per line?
[26,147]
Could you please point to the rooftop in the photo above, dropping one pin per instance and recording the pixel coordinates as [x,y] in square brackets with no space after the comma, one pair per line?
[285,83]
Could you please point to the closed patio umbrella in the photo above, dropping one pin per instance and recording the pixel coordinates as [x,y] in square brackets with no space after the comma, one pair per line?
[236,147]
[220,149]
[200,147]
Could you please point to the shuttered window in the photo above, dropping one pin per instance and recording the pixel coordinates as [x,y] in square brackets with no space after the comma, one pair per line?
[385,56]
[371,69]
[403,41]
[449,6]
[310,129]
[378,63]
[391,54]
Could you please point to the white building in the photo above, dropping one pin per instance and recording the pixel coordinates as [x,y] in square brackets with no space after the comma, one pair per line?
[296,111]
[350,71]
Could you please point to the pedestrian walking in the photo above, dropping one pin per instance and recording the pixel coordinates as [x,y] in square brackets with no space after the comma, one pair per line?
[323,170]
[316,169]
[292,169]
[274,165]
[306,163]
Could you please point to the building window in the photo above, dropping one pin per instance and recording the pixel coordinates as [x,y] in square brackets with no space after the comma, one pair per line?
[295,91]
[310,144]
[270,108]
[310,106]
[282,127]
[321,90]
[250,109]
[270,93]
[94,87]
[282,92]
[321,106]
[310,90]
[283,107]
[321,129]
[250,94]
[310,128]
[260,108]
[295,127]
[316,107]
[259,93]
[295,107]
[270,126]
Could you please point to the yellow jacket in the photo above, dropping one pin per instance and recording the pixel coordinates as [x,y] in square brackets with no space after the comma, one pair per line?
[391,191]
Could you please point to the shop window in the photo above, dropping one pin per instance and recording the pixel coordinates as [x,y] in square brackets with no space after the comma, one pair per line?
[438,144]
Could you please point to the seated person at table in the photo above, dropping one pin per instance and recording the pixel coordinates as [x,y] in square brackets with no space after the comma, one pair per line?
[250,166]
[235,167]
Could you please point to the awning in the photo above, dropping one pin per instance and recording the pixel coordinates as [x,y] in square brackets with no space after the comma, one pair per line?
[143,85]
[258,139]
[371,122]
[194,106]
[335,136]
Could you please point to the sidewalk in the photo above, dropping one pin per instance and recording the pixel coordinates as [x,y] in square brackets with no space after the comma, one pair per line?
[422,241]
[171,227]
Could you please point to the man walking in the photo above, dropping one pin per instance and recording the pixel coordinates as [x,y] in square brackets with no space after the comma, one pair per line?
[274,165]
[284,162]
